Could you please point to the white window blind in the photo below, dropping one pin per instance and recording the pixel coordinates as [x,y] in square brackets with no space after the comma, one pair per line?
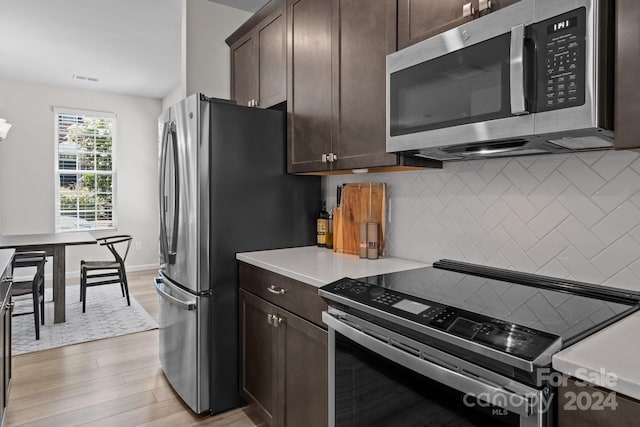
[85,170]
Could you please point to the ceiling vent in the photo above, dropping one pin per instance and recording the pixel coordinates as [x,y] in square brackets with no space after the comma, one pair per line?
[90,79]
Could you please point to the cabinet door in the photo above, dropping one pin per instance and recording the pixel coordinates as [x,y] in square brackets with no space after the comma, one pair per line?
[5,357]
[421,19]
[244,74]
[627,86]
[259,355]
[8,368]
[309,77]
[367,34]
[587,405]
[272,59]
[305,386]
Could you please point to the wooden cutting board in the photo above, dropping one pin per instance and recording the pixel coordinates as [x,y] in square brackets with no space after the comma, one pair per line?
[365,202]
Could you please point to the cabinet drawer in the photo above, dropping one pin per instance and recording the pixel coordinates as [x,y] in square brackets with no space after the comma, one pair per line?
[581,404]
[297,297]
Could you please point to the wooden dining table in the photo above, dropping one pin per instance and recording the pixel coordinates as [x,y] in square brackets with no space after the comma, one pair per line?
[54,244]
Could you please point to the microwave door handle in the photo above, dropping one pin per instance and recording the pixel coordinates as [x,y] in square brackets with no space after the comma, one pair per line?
[516,71]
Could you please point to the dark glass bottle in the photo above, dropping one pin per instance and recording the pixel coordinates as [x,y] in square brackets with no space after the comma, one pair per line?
[322,225]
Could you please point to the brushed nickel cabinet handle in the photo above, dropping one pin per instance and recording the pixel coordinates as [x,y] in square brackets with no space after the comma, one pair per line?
[484,5]
[467,10]
[7,279]
[270,318]
[276,290]
[277,321]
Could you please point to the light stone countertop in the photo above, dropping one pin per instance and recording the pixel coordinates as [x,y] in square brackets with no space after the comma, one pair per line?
[319,266]
[6,255]
[613,351]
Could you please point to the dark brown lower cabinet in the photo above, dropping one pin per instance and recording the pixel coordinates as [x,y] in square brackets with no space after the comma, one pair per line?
[304,357]
[259,355]
[584,405]
[284,356]
[5,339]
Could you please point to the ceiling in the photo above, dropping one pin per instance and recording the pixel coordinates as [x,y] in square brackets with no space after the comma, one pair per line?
[129,46]
[248,5]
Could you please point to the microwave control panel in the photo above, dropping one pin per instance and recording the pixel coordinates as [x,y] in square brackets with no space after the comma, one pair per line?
[561,51]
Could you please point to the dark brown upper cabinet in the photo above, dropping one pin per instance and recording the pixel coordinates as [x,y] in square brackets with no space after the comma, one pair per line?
[336,91]
[258,58]
[420,19]
[244,80]
[309,84]
[627,87]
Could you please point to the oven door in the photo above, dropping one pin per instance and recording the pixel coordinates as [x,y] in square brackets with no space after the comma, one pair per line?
[464,85]
[379,378]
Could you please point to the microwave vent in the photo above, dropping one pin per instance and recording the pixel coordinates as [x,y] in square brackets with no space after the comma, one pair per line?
[582,143]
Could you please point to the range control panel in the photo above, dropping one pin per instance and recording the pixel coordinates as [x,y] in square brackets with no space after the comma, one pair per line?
[561,56]
[495,333]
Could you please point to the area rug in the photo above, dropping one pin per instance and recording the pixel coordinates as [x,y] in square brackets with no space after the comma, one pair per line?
[107,315]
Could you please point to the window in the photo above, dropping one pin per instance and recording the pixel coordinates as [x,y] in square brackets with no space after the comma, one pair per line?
[85,170]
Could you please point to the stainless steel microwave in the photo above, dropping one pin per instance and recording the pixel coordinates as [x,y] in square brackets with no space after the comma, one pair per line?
[534,77]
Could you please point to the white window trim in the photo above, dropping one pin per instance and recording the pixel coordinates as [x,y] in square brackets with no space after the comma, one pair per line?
[94,113]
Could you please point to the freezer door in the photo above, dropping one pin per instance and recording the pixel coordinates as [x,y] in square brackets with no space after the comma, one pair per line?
[179,191]
[183,334]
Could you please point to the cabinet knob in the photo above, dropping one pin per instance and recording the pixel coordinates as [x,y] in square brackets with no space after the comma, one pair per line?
[484,5]
[270,318]
[324,158]
[277,320]
[467,10]
[7,279]
[331,157]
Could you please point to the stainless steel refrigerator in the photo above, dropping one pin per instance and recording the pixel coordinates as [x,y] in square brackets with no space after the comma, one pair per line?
[223,189]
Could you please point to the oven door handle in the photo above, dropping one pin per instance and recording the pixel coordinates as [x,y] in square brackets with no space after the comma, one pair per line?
[496,396]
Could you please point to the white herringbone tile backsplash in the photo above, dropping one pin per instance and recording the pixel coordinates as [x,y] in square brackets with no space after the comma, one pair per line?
[573,216]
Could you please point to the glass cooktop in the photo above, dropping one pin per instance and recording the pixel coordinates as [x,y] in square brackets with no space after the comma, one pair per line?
[555,312]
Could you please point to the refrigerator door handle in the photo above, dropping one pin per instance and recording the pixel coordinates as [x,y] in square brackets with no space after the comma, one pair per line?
[169,255]
[176,200]
[186,305]
[162,196]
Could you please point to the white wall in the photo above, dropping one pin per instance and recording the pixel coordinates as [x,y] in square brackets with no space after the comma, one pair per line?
[27,166]
[572,216]
[208,24]
[205,58]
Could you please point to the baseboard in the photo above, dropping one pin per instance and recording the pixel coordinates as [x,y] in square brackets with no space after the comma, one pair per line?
[130,268]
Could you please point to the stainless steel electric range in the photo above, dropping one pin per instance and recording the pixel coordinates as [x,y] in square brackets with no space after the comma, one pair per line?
[456,344]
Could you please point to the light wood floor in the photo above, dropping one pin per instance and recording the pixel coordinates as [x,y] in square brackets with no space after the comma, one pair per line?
[109,382]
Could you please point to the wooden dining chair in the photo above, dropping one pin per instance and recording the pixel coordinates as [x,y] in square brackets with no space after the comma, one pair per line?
[96,273]
[30,264]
